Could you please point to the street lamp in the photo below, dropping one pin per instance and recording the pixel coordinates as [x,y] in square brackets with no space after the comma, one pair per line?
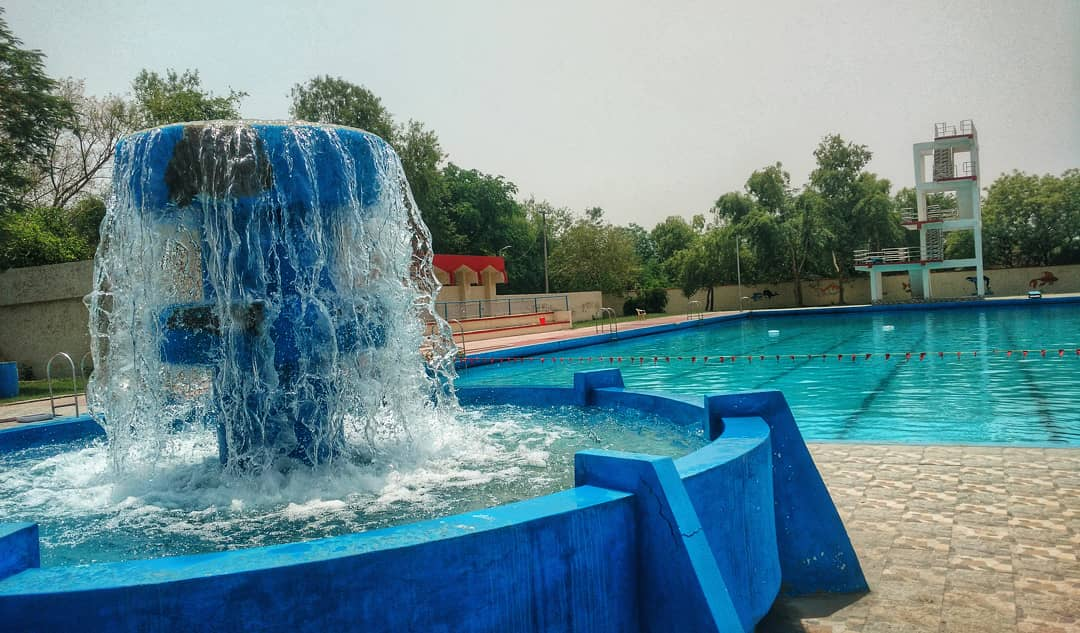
[738,269]
[543,227]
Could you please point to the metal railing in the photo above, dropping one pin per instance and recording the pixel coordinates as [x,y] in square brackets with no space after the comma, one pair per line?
[480,308]
[461,352]
[943,130]
[607,323]
[74,385]
[935,212]
[898,255]
[691,312]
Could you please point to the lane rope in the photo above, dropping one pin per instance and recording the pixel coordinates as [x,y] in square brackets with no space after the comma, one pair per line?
[720,359]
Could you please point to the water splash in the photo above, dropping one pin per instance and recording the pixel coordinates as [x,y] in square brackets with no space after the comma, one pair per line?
[271,282]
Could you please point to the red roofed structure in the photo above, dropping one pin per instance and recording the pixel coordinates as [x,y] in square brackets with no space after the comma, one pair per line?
[458,272]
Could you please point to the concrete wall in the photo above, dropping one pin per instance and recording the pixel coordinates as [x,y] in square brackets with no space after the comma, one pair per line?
[42,313]
[944,284]
[701,543]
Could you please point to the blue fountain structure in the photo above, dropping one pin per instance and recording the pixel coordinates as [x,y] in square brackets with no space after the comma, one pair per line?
[704,542]
[252,264]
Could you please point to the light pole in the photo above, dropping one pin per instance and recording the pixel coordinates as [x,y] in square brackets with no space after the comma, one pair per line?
[738,268]
[543,227]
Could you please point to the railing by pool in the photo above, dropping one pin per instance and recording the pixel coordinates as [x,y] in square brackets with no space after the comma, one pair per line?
[480,308]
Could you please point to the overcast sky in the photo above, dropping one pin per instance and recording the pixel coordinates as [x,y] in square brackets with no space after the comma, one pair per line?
[644,108]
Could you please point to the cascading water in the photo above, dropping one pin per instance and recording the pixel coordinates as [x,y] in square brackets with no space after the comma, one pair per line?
[270,280]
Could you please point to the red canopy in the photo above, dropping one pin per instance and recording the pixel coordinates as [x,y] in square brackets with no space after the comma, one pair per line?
[476,263]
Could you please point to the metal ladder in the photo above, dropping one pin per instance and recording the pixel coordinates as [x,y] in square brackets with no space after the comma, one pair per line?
[944,168]
[935,245]
[74,385]
[608,323]
[690,312]
[462,354]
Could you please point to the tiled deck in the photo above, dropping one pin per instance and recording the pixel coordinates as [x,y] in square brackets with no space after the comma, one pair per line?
[952,538]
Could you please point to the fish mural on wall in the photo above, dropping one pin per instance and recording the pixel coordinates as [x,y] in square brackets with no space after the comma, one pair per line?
[1047,279]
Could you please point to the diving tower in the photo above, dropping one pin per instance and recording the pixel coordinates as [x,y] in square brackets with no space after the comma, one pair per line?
[947,166]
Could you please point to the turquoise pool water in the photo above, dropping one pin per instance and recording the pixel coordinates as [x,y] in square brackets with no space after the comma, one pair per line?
[985,395]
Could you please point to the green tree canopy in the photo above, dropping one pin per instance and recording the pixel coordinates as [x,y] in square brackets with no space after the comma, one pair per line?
[593,255]
[30,114]
[1031,220]
[709,261]
[326,99]
[856,208]
[672,235]
[180,97]
[39,236]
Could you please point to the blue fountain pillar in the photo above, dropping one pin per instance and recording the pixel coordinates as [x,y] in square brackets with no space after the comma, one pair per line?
[272,208]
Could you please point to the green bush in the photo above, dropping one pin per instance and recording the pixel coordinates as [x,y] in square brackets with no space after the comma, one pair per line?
[40,236]
[652,300]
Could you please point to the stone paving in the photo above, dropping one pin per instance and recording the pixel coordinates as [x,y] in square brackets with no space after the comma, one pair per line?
[951,538]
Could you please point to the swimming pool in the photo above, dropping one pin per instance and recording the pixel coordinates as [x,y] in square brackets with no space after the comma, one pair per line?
[984,395]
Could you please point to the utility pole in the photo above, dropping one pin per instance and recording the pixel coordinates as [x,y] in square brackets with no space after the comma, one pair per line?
[738,268]
[543,227]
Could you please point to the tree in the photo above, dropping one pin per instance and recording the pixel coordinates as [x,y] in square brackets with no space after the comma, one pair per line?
[30,113]
[422,159]
[856,208]
[177,98]
[327,99]
[672,235]
[594,255]
[81,149]
[39,236]
[652,272]
[708,262]
[731,208]
[85,218]
[1031,220]
[483,211]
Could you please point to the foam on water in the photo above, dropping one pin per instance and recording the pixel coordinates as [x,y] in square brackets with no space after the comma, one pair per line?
[188,503]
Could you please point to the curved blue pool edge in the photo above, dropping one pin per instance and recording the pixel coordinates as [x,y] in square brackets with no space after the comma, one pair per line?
[549,347]
[704,542]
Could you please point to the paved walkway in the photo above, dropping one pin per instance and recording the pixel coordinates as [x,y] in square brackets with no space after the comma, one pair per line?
[951,538]
[507,342]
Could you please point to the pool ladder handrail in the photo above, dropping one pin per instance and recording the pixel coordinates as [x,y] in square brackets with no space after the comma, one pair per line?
[463,354]
[607,323]
[74,385]
[690,312]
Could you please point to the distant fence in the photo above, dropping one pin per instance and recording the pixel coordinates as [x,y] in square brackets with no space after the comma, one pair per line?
[480,308]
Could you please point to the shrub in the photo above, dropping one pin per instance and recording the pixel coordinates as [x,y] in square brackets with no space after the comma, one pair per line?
[40,236]
[651,300]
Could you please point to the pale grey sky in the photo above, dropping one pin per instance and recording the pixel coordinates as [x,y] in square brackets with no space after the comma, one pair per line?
[646,109]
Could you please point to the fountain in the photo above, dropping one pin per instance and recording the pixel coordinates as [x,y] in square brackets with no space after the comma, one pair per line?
[255,275]
[267,285]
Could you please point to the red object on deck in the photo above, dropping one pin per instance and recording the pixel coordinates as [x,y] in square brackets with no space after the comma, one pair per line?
[450,264]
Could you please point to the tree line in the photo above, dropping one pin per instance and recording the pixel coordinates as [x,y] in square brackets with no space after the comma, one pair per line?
[57,143]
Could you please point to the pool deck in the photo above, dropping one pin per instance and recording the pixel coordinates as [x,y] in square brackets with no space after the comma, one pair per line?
[951,538]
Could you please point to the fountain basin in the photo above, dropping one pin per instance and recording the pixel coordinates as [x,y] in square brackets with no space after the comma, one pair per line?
[703,542]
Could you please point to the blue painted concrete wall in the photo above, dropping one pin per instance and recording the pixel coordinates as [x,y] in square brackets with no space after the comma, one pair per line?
[702,543]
